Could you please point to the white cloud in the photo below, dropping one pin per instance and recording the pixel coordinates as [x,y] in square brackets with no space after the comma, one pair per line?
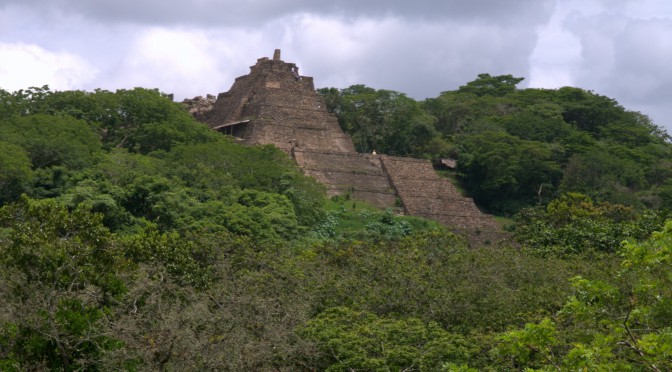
[420,59]
[617,48]
[167,59]
[332,49]
[556,54]
[642,54]
[25,65]
[186,62]
[255,13]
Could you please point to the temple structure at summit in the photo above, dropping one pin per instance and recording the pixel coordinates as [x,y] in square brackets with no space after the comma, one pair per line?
[274,104]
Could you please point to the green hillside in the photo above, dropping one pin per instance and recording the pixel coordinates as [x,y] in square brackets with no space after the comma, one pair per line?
[518,148]
[134,238]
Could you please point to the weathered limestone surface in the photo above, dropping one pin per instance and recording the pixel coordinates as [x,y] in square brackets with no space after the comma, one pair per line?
[423,193]
[199,106]
[273,104]
[283,110]
[359,175]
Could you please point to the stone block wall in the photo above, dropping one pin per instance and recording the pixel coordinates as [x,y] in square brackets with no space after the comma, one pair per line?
[282,110]
[424,194]
[359,175]
[307,129]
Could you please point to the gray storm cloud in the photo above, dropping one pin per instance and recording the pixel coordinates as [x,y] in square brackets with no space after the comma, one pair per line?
[220,13]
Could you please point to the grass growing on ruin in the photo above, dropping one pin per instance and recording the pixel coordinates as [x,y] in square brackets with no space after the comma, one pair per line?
[451,175]
[355,217]
[504,222]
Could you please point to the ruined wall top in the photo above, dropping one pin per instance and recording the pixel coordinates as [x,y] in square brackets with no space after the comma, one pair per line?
[278,67]
[282,107]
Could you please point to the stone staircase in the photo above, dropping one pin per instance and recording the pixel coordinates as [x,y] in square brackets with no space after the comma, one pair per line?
[359,175]
[424,194]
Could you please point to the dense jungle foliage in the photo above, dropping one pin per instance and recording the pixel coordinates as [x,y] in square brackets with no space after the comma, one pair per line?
[517,148]
[134,238]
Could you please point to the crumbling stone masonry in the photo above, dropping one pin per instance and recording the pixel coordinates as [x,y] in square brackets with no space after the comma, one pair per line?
[275,105]
[198,106]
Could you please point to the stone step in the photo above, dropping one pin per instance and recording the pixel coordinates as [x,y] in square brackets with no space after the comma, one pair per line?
[425,194]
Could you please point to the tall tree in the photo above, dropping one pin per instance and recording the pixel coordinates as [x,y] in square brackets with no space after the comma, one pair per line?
[486,84]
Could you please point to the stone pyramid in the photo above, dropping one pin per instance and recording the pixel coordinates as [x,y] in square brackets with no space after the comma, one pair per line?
[274,104]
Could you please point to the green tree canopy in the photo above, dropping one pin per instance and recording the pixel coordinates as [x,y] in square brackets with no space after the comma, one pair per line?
[505,172]
[354,340]
[617,324]
[52,140]
[386,121]
[486,84]
[15,171]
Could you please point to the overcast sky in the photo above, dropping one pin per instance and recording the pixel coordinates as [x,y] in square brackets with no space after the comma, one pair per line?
[618,48]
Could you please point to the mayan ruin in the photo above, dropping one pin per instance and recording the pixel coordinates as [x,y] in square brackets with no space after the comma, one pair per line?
[274,104]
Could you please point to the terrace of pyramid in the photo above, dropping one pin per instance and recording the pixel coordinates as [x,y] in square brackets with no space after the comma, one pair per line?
[274,104]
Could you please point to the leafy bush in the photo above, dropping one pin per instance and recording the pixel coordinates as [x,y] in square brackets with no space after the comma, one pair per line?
[620,323]
[15,171]
[357,340]
[52,140]
[574,224]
